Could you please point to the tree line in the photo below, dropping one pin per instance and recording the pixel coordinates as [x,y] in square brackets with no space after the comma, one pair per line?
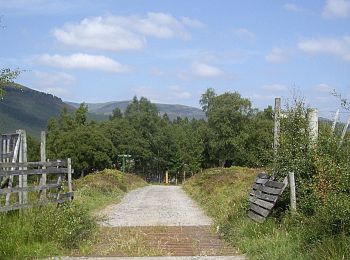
[234,133]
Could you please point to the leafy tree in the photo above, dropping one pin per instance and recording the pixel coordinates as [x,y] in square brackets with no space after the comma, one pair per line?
[116,114]
[228,116]
[81,114]
[70,136]
[33,149]
[207,100]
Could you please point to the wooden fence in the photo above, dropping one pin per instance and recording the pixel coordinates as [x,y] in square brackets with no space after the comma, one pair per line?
[25,184]
[15,195]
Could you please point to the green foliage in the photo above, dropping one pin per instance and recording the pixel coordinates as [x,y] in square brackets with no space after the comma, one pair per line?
[46,231]
[33,147]
[70,136]
[236,134]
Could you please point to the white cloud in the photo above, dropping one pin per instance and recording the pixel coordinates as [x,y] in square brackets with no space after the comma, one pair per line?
[324,88]
[277,55]
[192,22]
[178,93]
[54,79]
[116,33]
[83,61]
[244,33]
[205,70]
[336,9]
[339,47]
[292,7]
[55,83]
[171,94]
[57,91]
[275,87]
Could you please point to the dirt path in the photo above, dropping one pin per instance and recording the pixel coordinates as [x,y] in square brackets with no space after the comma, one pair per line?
[155,206]
[159,221]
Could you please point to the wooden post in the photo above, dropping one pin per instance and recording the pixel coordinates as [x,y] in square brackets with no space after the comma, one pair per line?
[166,177]
[335,120]
[14,159]
[293,198]
[184,177]
[20,160]
[43,159]
[24,159]
[277,128]
[312,115]
[344,132]
[69,170]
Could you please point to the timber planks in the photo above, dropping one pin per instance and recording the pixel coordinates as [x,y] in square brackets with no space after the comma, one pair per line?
[263,197]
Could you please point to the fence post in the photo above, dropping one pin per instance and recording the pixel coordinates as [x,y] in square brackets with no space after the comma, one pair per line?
[69,170]
[166,177]
[20,160]
[43,159]
[293,199]
[24,159]
[312,115]
[335,120]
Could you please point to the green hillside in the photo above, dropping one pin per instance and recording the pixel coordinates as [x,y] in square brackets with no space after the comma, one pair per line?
[173,111]
[24,108]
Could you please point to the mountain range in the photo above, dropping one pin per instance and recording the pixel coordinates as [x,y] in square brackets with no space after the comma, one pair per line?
[25,108]
[173,111]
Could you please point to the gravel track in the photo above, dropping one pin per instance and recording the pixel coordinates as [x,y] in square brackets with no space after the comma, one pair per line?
[155,205]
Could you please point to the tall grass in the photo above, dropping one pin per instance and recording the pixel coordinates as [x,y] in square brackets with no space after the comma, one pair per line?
[44,231]
[223,194]
[56,230]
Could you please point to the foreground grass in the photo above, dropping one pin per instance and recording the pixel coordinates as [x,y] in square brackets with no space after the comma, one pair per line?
[223,194]
[70,227]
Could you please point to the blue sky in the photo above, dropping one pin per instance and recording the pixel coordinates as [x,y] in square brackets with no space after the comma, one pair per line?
[172,51]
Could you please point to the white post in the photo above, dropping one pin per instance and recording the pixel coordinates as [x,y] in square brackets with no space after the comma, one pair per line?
[20,160]
[313,125]
[336,117]
[24,159]
[344,131]
[293,199]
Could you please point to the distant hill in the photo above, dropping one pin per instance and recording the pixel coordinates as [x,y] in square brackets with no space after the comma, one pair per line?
[173,111]
[25,108]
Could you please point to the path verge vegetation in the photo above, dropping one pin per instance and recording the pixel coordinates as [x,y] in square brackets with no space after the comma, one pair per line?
[223,193]
[70,227]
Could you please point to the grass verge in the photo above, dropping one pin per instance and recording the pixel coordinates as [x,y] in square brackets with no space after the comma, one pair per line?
[58,230]
[223,194]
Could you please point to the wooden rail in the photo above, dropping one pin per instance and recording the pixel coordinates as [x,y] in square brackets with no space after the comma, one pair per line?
[57,187]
